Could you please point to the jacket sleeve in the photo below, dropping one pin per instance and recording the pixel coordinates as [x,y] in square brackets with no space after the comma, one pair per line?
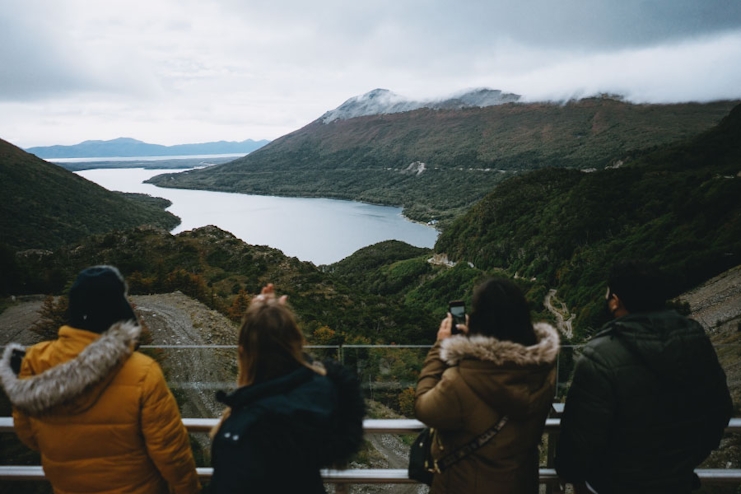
[717,407]
[165,436]
[585,425]
[22,422]
[436,403]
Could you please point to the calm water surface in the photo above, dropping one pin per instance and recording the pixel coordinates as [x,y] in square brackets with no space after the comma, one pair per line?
[322,231]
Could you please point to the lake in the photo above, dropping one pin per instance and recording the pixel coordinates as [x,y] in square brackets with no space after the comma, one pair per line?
[321,231]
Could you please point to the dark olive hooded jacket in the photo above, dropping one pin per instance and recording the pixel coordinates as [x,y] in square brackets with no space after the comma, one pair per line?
[648,403]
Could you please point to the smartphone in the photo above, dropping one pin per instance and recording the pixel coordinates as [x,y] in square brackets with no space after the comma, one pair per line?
[458,309]
[16,358]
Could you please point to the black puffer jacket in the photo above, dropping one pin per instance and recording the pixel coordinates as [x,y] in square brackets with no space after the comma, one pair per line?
[282,431]
[648,403]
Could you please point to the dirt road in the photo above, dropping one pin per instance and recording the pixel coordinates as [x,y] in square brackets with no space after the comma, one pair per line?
[17,319]
[177,323]
[563,325]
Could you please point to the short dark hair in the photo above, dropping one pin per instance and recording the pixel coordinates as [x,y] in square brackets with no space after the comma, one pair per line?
[500,310]
[640,285]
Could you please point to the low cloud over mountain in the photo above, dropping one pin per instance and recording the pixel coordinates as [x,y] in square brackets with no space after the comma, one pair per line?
[383,101]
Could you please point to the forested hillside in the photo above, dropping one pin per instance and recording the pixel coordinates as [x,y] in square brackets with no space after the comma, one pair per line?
[437,163]
[679,207]
[44,206]
[223,272]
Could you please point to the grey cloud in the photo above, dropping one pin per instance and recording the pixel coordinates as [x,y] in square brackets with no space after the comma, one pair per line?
[597,24]
[39,59]
[593,25]
[34,63]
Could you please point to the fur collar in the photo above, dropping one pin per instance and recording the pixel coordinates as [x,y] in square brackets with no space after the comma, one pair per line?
[487,348]
[62,383]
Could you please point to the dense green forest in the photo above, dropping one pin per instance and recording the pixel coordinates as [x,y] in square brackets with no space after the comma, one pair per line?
[43,205]
[465,152]
[220,270]
[679,207]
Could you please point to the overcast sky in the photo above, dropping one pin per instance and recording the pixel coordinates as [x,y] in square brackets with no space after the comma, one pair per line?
[184,71]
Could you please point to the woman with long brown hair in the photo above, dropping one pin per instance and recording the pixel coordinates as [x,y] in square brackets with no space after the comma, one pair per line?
[492,386]
[290,416]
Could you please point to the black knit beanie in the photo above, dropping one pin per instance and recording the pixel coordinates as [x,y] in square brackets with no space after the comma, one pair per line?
[97,299]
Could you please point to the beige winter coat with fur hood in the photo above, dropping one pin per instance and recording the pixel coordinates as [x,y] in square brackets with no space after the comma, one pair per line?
[466,386]
[100,414]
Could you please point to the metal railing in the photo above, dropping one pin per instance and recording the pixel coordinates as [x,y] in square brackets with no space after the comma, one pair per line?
[369,476]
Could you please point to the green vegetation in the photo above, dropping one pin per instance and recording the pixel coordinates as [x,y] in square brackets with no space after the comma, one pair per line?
[466,152]
[221,271]
[385,268]
[679,207]
[43,206]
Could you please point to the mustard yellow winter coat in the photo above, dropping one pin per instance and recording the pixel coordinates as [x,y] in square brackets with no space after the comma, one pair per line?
[467,384]
[101,415]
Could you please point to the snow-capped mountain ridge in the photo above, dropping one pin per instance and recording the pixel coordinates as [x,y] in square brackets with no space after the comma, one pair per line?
[383,101]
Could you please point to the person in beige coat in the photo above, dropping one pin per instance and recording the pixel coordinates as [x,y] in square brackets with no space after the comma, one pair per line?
[500,365]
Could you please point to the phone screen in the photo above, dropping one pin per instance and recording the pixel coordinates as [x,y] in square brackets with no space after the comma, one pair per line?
[458,310]
[459,313]
[16,358]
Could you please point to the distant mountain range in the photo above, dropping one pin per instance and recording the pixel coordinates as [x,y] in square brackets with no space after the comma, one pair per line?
[125,147]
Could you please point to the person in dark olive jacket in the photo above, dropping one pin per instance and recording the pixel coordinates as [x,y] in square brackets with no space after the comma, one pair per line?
[289,417]
[648,401]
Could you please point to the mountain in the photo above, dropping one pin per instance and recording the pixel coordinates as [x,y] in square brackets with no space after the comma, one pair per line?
[43,206]
[679,206]
[437,163]
[127,147]
[383,101]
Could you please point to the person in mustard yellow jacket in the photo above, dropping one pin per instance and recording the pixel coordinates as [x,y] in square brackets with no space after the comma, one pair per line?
[99,412]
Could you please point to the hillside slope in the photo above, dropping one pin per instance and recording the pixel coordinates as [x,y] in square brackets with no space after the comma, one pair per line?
[222,271]
[437,163]
[679,207]
[43,205]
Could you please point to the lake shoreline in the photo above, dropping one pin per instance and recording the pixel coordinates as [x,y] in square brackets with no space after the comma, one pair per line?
[315,229]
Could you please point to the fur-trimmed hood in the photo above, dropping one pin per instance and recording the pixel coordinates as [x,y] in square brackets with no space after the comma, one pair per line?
[490,349]
[514,379]
[75,385]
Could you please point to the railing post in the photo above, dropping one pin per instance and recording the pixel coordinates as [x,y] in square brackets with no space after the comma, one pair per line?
[550,456]
[552,439]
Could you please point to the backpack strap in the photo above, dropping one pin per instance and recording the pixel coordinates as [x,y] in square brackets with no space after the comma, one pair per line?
[465,450]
